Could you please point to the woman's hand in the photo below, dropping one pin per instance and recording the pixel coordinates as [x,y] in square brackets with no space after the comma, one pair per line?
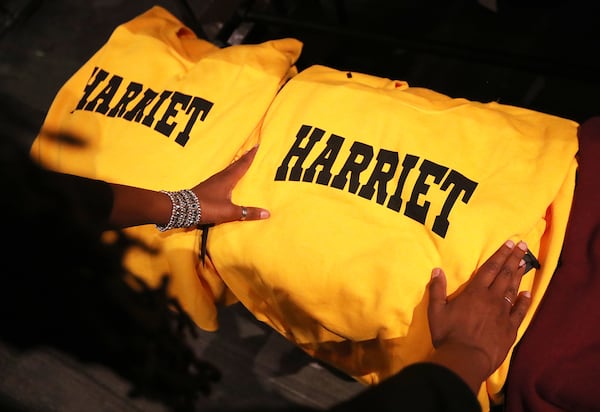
[215,194]
[134,206]
[473,330]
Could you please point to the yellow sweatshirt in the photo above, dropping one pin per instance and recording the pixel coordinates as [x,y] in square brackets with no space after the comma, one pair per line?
[371,184]
[159,108]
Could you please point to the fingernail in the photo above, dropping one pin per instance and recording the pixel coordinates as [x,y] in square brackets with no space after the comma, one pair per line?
[522,245]
[527,294]
[435,273]
[522,263]
[531,261]
[264,214]
[510,244]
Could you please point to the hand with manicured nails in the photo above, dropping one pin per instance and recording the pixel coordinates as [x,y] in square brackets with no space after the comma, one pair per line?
[135,206]
[473,329]
[215,194]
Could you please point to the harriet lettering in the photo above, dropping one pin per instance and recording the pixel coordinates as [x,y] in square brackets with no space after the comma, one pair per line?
[342,165]
[170,113]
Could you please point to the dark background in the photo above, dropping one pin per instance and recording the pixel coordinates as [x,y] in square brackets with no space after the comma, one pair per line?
[514,52]
[533,54]
[541,55]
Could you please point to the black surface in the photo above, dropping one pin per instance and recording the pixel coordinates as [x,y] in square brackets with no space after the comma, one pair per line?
[539,55]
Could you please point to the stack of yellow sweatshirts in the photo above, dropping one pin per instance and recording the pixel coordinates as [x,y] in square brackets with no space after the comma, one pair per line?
[370,184]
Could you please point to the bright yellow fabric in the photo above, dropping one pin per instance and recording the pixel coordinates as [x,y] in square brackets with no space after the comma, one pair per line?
[161,109]
[340,270]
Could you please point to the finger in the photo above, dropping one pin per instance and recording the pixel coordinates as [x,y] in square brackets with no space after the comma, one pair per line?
[252,213]
[520,308]
[489,270]
[508,279]
[437,293]
[232,213]
[517,276]
[238,168]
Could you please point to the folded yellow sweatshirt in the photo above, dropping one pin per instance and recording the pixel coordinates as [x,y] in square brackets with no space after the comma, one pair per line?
[159,108]
[371,184]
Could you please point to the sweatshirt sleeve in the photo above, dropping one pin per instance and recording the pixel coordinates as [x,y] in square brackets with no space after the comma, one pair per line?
[421,387]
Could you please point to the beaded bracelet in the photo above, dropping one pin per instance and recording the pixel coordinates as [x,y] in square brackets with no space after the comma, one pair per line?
[186,210]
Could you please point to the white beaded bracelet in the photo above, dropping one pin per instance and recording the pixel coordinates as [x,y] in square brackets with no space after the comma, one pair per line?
[185,212]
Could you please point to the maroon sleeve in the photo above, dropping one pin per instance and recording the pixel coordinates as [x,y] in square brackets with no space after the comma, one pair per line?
[556,366]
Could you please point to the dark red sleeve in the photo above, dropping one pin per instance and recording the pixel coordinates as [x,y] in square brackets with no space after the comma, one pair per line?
[556,366]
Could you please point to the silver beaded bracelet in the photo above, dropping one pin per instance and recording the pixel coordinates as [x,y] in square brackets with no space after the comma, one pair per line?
[186,210]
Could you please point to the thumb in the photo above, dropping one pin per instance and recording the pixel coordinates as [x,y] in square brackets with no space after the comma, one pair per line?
[241,166]
[437,293]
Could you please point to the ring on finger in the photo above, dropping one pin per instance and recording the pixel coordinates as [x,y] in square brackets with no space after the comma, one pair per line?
[509,300]
[244,213]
